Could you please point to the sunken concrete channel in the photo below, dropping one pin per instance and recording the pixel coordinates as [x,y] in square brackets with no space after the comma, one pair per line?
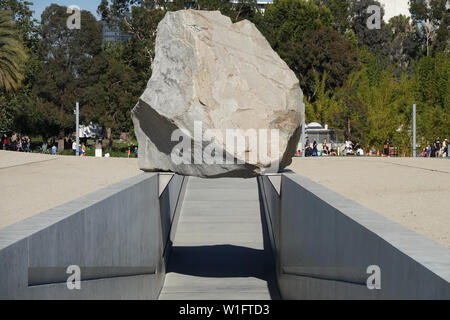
[118,237]
[166,236]
[329,247]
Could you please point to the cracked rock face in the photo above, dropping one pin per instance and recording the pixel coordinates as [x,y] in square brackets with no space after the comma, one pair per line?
[218,84]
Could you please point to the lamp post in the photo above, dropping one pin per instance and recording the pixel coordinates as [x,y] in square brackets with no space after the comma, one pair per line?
[303,138]
[77,116]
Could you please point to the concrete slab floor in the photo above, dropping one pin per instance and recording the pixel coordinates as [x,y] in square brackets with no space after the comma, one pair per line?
[221,251]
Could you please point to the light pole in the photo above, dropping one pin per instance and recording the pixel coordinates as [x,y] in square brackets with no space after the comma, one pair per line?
[303,138]
[77,116]
[414,130]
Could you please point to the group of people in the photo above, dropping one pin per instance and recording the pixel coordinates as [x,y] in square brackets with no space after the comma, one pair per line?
[16,143]
[436,149]
[353,148]
[135,152]
[81,149]
[53,149]
[313,151]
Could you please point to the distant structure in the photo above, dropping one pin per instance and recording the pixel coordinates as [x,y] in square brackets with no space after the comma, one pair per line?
[112,33]
[315,131]
[92,130]
[260,3]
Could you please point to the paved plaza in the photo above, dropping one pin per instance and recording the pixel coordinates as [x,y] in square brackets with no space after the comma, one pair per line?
[32,183]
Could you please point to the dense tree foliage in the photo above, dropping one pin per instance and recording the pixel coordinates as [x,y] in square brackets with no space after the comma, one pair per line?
[433,19]
[359,80]
[12,54]
[322,51]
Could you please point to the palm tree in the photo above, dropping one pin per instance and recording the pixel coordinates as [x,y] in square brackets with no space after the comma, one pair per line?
[12,54]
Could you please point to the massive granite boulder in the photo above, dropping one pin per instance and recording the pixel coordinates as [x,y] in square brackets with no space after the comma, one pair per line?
[214,85]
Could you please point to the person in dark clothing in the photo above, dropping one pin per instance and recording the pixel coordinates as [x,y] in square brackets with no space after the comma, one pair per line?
[437,146]
[314,150]
[308,150]
[386,148]
[446,147]
[433,151]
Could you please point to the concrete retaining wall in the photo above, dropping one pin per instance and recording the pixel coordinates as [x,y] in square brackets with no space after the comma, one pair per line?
[325,243]
[117,236]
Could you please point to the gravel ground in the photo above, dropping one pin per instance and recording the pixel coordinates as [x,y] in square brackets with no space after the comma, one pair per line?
[32,183]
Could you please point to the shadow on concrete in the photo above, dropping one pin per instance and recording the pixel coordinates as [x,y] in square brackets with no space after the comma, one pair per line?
[222,261]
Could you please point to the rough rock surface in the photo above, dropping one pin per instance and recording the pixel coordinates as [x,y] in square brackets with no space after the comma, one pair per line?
[224,76]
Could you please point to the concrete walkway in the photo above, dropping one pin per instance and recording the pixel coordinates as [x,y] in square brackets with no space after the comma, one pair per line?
[221,248]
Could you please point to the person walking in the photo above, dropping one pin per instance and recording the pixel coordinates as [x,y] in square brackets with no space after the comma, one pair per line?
[325,147]
[44,147]
[83,149]
[437,147]
[54,150]
[386,148]
[445,145]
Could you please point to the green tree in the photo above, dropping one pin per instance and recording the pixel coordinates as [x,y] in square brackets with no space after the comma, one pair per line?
[12,54]
[65,55]
[12,103]
[287,21]
[139,21]
[431,93]
[375,39]
[433,20]
[116,90]
[402,45]
[341,13]
[323,51]
[23,18]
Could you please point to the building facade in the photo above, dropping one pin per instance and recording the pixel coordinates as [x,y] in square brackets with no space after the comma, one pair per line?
[113,33]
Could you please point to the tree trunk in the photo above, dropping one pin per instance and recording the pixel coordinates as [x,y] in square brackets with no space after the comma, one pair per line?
[109,136]
[61,141]
[348,127]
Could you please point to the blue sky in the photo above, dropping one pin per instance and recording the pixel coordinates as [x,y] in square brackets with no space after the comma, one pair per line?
[39,5]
